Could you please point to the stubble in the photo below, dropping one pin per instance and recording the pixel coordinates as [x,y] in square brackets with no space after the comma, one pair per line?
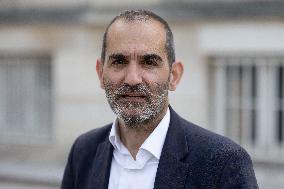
[137,113]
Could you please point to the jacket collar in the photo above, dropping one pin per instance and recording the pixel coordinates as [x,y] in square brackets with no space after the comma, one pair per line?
[172,172]
[101,166]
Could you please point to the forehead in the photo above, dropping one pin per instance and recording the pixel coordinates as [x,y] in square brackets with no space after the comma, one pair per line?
[139,36]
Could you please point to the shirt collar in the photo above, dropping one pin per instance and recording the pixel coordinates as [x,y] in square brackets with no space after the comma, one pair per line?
[114,136]
[153,144]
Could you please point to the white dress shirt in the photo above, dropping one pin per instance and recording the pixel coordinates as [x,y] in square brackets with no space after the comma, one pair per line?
[126,173]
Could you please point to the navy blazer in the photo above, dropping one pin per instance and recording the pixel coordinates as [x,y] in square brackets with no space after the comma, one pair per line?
[192,157]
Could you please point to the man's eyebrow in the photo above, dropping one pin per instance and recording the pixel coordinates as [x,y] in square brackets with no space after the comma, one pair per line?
[152,56]
[117,56]
[145,56]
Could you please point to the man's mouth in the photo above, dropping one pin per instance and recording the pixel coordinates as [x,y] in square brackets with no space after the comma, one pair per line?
[133,97]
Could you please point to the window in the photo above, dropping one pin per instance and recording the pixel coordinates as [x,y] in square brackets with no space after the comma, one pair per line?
[249,103]
[25,97]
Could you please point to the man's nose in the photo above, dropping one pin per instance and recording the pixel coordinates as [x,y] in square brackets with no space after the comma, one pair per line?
[133,74]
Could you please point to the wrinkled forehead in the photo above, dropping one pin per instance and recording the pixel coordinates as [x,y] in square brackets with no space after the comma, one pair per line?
[139,36]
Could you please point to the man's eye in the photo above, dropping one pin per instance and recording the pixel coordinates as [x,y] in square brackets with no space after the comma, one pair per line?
[118,62]
[150,62]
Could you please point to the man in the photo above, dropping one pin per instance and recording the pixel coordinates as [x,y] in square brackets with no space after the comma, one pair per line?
[149,145]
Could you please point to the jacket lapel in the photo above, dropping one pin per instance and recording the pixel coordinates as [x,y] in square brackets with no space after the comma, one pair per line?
[172,172]
[101,166]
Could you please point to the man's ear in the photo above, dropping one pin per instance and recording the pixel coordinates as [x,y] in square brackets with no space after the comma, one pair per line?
[99,68]
[175,75]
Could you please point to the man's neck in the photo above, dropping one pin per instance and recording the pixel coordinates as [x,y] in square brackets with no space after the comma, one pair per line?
[133,138]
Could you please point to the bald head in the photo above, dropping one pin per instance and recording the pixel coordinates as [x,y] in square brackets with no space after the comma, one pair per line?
[142,16]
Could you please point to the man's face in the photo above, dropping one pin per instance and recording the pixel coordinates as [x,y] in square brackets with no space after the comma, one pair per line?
[135,74]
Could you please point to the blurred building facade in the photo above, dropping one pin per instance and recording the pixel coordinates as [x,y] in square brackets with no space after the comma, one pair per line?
[49,92]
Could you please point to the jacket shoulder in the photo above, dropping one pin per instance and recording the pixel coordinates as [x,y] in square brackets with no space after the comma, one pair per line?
[226,163]
[208,141]
[92,138]
[81,156]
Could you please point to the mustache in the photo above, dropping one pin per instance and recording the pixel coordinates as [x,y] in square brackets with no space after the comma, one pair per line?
[137,89]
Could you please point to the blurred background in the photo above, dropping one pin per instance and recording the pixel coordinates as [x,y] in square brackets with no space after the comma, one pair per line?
[233,83]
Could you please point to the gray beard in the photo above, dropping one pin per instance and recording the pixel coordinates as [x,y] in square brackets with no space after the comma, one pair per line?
[145,112]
